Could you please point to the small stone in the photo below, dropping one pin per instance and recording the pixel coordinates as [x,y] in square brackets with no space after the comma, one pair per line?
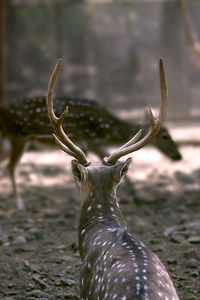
[6,244]
[26,263]
[58,282]
[51,213]
[171,261]
[67,258]
[63,272]
[3,239]
[61,247]
[29,220]
[194,273]
[36,293]
[19,240]
[18,250]
[41,283]
[35,269]
[57,260]
[192,263]
[67,282]
[70,296]
[177,238]
[194,240]
[34,230]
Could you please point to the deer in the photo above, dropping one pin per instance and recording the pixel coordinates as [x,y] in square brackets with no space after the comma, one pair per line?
[115,265]
[192,37]
[88,124]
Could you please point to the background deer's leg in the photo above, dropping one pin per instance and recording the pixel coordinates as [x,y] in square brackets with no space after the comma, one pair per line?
[4,154]
[17,149]
[4,149]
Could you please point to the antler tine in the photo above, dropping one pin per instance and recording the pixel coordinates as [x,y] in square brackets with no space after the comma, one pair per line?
[164,93]
[155,125]
[64,147]
[133,140]
[60,137]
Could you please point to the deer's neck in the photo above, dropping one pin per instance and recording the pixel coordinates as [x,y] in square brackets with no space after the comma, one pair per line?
[98,212]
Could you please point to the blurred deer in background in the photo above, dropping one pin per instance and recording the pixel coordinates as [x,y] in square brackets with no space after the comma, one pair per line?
[88,124]
[192,38]
[114,264]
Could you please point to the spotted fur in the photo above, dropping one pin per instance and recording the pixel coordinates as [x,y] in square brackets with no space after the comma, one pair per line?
[87,123]
[114,264]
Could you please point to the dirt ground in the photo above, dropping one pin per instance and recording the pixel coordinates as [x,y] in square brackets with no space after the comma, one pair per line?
[39,256]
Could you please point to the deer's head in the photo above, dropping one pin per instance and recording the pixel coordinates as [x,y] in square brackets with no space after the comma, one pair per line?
[166,145]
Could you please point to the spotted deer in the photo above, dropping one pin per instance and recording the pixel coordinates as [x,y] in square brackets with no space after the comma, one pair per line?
[88,124]
[114,264]
[192,37]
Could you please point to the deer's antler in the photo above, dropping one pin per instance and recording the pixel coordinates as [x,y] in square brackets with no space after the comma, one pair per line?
[60,137]
[155,124]
[132,145]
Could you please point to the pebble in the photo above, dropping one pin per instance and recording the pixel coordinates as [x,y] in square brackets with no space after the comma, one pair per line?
[177,238]
[70,296]
[62,273]
[41,283]
[57,260]
[188,232]
[171,261]
[36,293]
[192,263]
[61,247]
[19,240]
[67,258]
[34,230]
[67,282]
[51,213]
[194,239]
[27,265]
[3,239]
[193,273]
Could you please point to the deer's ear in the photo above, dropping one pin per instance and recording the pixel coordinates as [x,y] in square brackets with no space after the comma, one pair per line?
[78,172]
[122,169]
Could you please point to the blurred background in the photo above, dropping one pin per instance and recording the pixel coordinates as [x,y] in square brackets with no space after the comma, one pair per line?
[110,52]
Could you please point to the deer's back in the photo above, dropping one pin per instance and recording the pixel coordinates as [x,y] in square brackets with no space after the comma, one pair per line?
[119,267]
[86,120]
